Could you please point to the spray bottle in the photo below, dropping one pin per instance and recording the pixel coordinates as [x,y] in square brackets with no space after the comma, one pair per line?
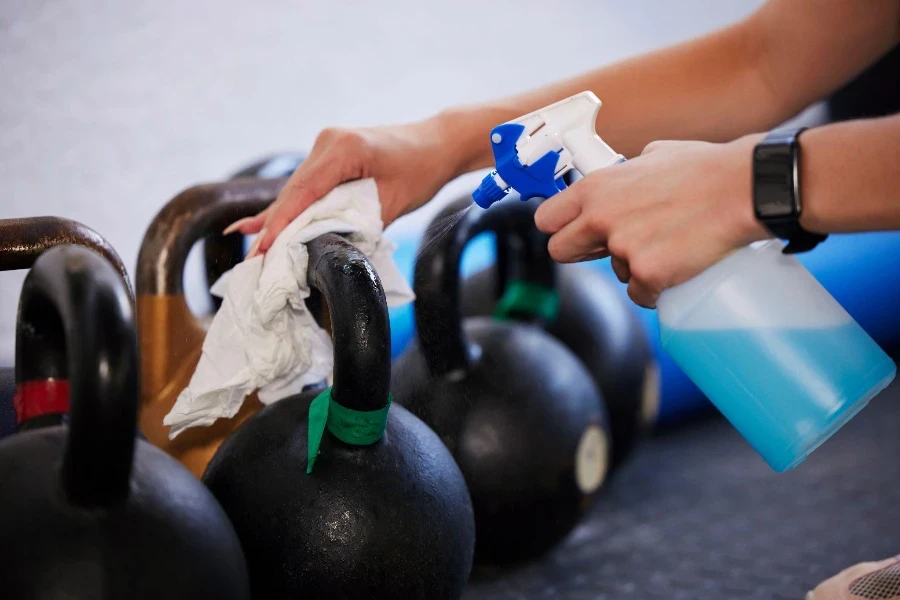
[766,343]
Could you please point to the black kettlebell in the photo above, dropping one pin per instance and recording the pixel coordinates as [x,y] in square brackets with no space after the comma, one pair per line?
[7,392]
[592,319]
[517,409]
[379,516]
[22,241]
[86,510]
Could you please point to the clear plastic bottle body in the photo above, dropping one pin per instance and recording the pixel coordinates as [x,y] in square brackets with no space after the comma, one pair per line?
[775,353]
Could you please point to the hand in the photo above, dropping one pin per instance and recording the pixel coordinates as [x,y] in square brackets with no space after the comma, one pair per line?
[410,163]
[663,217]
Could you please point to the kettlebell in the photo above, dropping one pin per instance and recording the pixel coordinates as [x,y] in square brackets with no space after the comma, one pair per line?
[21,242]
[518,411]
[171,336]
[592,320]
[223,252]
[88,511]
[378,509]
[7,392]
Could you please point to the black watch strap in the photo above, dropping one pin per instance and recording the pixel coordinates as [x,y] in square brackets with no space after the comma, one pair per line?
[798,239]
[776,189]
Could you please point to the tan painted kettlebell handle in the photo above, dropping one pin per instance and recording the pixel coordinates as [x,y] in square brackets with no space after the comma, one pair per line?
[170,336]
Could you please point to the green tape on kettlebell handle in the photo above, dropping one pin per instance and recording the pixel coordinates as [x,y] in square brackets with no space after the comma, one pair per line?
[317,419]
[359,428]
[531,299]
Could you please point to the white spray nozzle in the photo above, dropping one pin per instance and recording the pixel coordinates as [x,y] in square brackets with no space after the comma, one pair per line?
[567,127]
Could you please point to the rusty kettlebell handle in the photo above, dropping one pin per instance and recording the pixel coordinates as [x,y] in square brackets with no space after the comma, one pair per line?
[22,241]
[187,218]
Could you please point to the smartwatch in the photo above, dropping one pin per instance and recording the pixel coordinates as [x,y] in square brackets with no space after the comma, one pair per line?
[776,189]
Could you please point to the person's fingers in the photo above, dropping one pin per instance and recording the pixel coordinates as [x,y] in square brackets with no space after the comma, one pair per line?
[248,225]
[642,293]
[576,242]
[254,249]
[309,183]
[555,213]
[642,258]
[620,268]
[596,255]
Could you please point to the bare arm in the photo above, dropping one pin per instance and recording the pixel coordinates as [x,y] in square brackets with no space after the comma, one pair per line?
[742,79]
[747,77]
[850,176]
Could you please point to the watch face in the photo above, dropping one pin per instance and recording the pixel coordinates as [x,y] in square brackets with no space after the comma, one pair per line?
[774,177]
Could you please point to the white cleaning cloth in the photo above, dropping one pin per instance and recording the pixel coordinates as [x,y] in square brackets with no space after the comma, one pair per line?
[263,337]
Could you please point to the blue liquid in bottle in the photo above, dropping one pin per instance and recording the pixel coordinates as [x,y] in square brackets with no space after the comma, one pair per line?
[785,390]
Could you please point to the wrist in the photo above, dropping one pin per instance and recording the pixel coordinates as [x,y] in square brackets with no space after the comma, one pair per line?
[466,132]
[811,217]
[778,189]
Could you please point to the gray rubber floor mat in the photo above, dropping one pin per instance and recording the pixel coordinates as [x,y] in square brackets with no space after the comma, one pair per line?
[696,514]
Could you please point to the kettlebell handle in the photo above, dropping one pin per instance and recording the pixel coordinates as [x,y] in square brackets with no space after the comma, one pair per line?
[191,215]
[223,252]
[22,241]
[436,281]
[522,252]
[360,328]
[79,291]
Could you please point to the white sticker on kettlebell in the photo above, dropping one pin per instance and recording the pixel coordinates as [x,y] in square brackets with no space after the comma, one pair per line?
[591,459]
[650,395]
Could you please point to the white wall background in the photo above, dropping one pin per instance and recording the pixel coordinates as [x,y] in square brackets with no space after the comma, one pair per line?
[109,108]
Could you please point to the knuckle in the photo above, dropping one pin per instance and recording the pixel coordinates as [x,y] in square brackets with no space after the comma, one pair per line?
[644,271]
[617,245]
[327,135]
[653,146]
[581,194]
[553,248]
[347,139]
[641,296]
[634,293]
[556,250]
[598,219]
[542,219]
[621,270]
[339,137]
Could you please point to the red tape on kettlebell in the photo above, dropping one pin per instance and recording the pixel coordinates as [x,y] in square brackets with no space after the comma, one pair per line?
[40,397]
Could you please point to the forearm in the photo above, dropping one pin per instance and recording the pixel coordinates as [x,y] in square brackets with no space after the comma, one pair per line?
[706,89]
[744,78]
[849,176]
